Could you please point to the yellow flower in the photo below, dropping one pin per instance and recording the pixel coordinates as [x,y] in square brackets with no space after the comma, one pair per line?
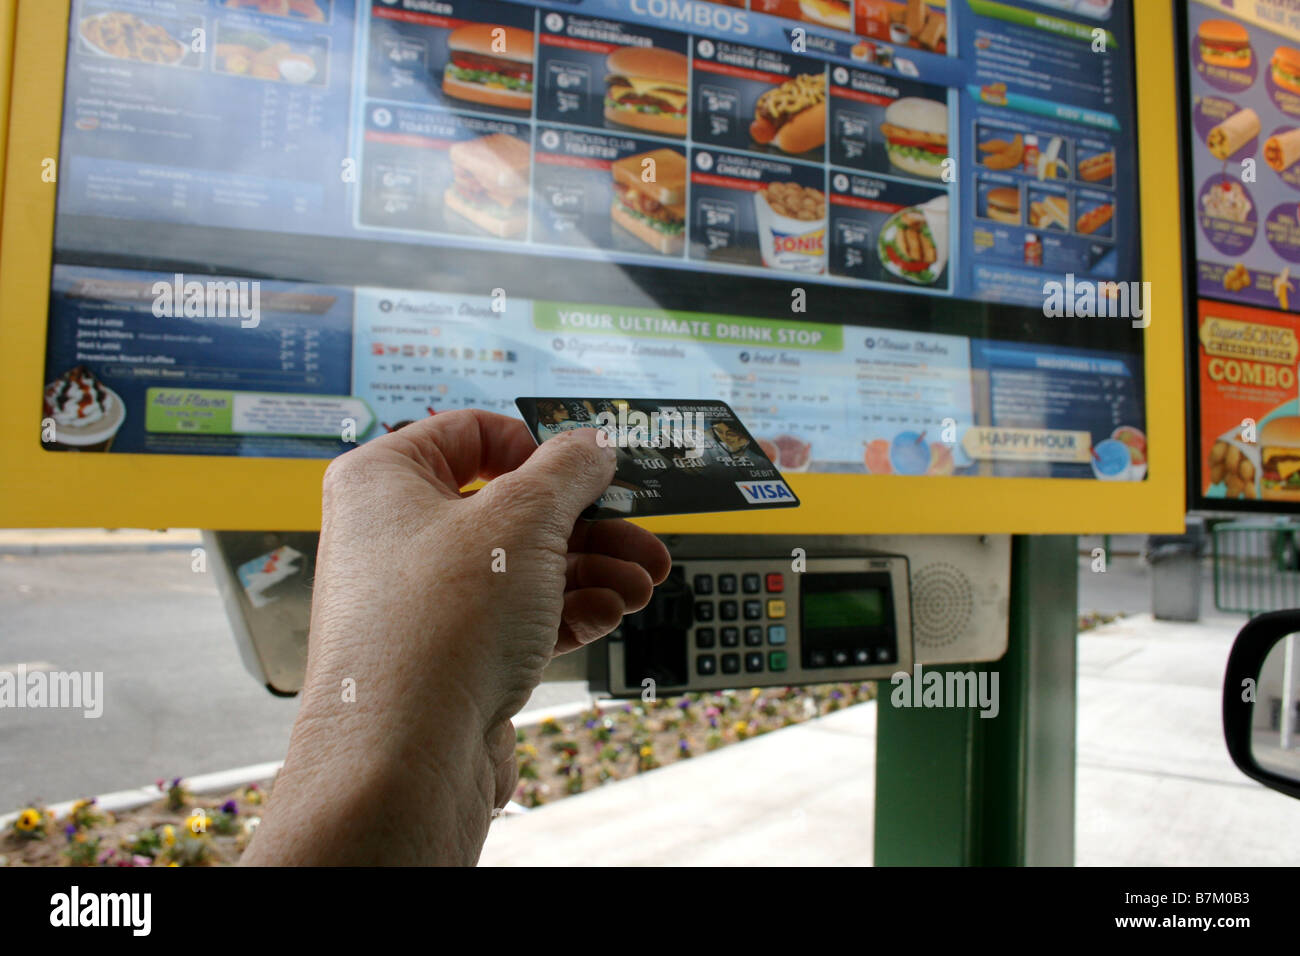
[739,726]
[197,823]
[169,835]
[29,820]
[754,692]
[173,863]
[647,751]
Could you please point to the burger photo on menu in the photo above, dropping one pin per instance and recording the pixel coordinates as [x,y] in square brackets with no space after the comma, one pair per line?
[650,199]
[792,116]
[1002,204]
[1279,440]
[916,135]
[1285,67]
[490,64]
[490,183]
[646,88]
[1224,43]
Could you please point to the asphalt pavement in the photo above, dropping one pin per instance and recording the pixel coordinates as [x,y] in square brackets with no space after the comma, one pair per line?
[178,701]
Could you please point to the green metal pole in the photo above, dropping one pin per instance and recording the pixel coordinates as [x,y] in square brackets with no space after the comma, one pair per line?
[954,788]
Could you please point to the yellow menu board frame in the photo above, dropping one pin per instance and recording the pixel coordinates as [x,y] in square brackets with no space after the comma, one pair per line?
[47,489]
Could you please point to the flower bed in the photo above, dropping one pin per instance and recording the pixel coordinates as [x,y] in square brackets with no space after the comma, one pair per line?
[557,758]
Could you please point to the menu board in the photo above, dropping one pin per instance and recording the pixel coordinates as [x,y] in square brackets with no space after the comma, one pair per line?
[1242,132]
[319,180]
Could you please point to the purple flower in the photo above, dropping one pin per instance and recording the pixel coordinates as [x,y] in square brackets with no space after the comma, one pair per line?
[230,807]
[837,693]
[683,745]
[176,782]
[684,704]
[70,830]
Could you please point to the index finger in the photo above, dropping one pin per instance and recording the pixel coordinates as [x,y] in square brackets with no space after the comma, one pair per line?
[463,445]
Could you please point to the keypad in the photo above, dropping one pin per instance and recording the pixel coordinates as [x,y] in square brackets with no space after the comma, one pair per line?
[740,627]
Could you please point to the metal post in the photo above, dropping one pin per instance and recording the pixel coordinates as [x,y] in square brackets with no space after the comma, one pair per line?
[953,788]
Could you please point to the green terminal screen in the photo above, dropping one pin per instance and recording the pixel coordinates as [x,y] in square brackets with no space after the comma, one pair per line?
[833,610]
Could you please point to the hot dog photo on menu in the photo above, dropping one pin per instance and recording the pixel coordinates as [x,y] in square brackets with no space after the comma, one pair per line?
[759,100]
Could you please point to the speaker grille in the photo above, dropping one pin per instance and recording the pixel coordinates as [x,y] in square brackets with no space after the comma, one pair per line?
[942,604]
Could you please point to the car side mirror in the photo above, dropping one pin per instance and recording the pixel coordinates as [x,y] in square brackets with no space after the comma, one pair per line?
[1261,701]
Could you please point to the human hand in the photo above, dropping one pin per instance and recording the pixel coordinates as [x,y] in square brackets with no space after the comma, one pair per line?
[443,609]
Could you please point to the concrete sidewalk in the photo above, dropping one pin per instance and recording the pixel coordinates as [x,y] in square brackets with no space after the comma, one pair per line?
[802,796]
[1155,785]
[32,541]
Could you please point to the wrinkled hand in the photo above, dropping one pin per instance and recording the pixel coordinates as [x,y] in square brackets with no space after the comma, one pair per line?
[443,608]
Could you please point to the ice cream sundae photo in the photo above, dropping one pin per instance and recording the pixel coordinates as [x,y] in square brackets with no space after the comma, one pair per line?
[80,413]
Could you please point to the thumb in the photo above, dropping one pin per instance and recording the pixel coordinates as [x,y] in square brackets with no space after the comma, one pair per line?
[562,476]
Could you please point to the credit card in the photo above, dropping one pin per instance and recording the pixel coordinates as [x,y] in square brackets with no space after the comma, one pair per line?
[674,456]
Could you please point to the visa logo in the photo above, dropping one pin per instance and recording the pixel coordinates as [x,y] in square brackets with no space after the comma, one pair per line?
[764,492]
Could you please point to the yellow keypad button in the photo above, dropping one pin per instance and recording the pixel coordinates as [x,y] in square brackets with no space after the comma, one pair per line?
[775,608]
